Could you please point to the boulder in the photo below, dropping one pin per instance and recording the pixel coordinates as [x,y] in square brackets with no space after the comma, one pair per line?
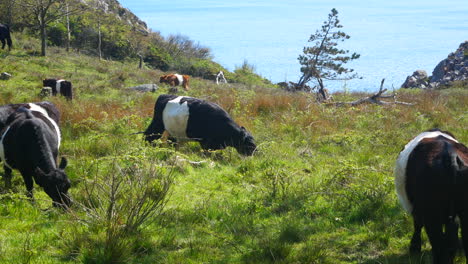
[46,91]
[144,88]
[419,79]
[5,76]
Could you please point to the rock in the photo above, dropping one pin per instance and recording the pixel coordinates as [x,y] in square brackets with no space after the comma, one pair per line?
[453,68]
[145,88]
[438,72]
[5,76]
[417,80]
[46,91]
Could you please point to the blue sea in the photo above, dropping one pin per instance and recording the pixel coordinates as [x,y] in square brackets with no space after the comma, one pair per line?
[394,37]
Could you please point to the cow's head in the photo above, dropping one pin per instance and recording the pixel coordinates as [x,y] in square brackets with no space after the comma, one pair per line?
[247,143]
[55,184]
[49,82]
[163,79]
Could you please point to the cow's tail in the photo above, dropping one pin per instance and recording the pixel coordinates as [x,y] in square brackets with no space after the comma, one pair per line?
[452,226]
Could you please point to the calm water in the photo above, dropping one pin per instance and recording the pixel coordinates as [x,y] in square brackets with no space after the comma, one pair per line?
[394,38]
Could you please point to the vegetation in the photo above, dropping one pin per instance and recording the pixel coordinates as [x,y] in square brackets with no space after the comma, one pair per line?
[319,189]
[104,29]
[324,61]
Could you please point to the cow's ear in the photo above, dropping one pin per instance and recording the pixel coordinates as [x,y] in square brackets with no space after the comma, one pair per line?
[243,128]
[63,163]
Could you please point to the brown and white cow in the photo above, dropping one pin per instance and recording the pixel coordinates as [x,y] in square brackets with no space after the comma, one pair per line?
[431,180]
[62,87]
[175,80]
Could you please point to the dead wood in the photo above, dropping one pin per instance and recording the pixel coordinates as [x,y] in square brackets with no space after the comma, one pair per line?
[373,99]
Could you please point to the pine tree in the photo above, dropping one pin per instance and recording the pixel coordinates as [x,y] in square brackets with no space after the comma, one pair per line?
[323,60]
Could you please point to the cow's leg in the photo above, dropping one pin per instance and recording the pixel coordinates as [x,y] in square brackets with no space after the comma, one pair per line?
[451,239]
[415,245]
[29,183]
[434,231]
[3,43]
[7,177]
[464,231]
[9,43]
[154,131]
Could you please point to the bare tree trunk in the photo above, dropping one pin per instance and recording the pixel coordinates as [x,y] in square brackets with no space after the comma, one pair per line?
[323,95]
[68,29]
[43,37]
[9,19]
[140,65]
[99,39]
[303,80]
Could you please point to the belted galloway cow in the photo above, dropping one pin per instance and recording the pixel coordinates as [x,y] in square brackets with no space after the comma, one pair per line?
[431,179]
[186,118]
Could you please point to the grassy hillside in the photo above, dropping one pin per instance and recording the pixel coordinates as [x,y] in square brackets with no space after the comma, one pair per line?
[319,190]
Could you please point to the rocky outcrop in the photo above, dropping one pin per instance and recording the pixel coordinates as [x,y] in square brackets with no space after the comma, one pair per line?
[419,79]
[453,68]
[114,7]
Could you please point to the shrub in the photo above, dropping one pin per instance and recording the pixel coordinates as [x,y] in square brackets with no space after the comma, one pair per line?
[158,58]
[123,196]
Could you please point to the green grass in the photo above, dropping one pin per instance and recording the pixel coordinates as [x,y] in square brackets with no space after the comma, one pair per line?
[319,189]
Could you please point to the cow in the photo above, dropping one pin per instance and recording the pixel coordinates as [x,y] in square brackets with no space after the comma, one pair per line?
[175,80]
[30,143]
[431,179]
[5,35]
[186,118]
[59,86]
[220,77]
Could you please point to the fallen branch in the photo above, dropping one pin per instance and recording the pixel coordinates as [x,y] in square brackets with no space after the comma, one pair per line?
[373,99]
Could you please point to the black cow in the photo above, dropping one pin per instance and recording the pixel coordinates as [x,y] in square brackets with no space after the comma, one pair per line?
[186,118]
[431,179]
[59,87]
[5,35]
[29,142]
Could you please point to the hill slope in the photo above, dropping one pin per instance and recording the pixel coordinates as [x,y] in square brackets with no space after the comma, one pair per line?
[319,190]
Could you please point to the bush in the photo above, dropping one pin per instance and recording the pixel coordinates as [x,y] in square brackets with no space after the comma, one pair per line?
[159,59]
[246,74]
[124,196]
[56,34]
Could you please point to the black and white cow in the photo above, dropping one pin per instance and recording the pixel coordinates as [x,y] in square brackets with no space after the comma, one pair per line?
[431,180]
[187,118]
[29,142]
[5,36]
[59,87]
[44,107]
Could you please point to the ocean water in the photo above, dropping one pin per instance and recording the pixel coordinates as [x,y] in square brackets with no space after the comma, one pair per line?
[394,37]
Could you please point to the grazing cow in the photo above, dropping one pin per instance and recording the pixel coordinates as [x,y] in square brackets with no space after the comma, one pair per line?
[59,86]
[30,143]
[186,118]
[431,180]
[5,35]
[175,80]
